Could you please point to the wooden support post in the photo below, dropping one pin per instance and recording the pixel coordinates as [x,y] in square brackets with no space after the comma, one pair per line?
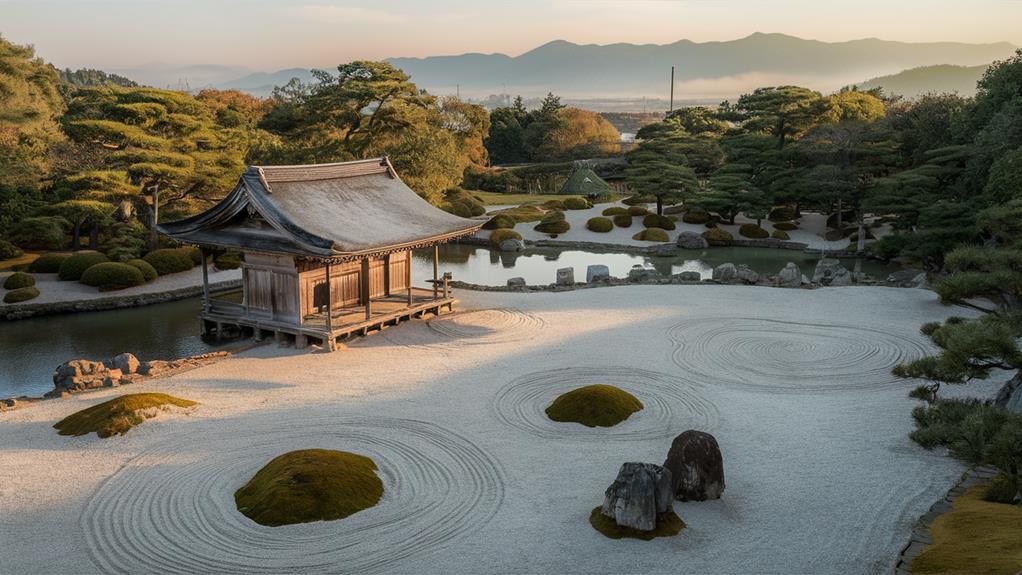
[365,288]
[436,268]
[301,341]
[205,282]
[408,275]
[329,302]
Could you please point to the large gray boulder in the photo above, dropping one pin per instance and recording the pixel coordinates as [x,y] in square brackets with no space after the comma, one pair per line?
[830,272]
[125,362]
[566,276]
[639,273]
[640,492]
[692,241]
[597,272]
[696,466]
[789,276]
[512,245]
[745,274]
[690,276]
[725,273]
[516,282]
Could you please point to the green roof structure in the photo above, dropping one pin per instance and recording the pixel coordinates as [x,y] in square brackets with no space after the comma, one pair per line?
[584,182]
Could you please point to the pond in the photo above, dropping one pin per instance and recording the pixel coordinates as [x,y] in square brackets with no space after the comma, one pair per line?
[30,349]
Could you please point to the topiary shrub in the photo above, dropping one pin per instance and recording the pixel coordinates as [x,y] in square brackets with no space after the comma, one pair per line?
[780,235]
[75,265]
[19,280]
[40,233]
[637,211]
[673,210]
[110,276]
[47,263]
[118,415]
[651,235]
[126,241]
[636,200]
[553,204]
[227,261]
[9,251]
[781,214]
[615,211]
[21,294]
[594,406]
[623,221]
[553,223]
[695,216]
[718,237]
[500,222]
[497,236]
[148,271]
[524,213]
[574,203]
[786,226]
[310,485]
[753,231]
[601,225]
[169,261]
[657,221]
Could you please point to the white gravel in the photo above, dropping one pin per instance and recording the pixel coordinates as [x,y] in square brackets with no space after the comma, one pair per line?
[795,385]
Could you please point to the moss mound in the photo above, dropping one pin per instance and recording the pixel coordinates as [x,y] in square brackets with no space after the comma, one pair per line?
[786,226]
[637,211]
[148,271]
[753,231]
[72,268]
[47,263]
[9,251]
[694,216]
[718,237]
[577,204]
[19,280]
[657,221]
[673,210]
[524,213]
[601,225]
[310,485]
[500,222]
[118,415]
[668,524]
[553,204]
[615,211]
[780,235]
[623,221]
[594,406]
[109,276]
[651,235]
[21,294]
[169,261]
[553,223]
[497,236]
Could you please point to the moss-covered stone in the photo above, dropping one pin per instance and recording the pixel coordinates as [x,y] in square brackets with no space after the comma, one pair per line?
[674,210]
[594,406]
[72,268]
[658,221]
[623,221]
[574,203]
[47,263]
[553,223]
[780,235]
[695,216]
[19,280]
[118,415]
[753,231]
[614,211]
[497,236]
[668,524]
[652,235]
[637,211]
[109,276]
[500,222]
[600,225]
[718,237]
[310,485]
[21,294]
[785,226]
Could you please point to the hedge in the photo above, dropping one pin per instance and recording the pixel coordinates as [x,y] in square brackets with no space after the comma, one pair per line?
[786,226]
[169,261]
[109,276]
[9,251]
[601,225]
[781,214]
[498,236]
[615,211]
[577,204]
[637,211]
[695,217]
[651,235]
[657,221]
[75,265]
[21,294]
[19,280]
[500,222]
[780,235]
[718,237]
[47,263]
[148,271]
[753,231]
[623,221]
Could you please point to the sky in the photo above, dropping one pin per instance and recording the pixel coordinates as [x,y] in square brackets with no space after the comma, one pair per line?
[273,34]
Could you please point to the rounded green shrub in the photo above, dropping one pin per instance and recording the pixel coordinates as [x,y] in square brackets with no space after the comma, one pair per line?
[658,221]
[601,225]
[9,251]
[21,294]
[148,271]
[75,265]
[47,263]
[310,485]
[718,237]
[500,222]
[169,261]
[553,204]
[525,213]
[499,235]
[594,406]
[623,220]
[39,233]
[786,226]
[780,235]
[109,276]
[193,253]
[673,210]
[753,231]
[19,280]
[651,235]
[636,200]
[781,214]
[575,203]
[615,211]
[227,261]
[457,208]
[695,216]
[637,211]
[553,228]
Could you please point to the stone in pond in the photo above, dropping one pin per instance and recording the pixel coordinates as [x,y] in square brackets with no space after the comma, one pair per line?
[692,241]
[696,466]
[516,282]
[596,273]
[512,245]
[789,276]
[566,276]
[640,492]
[725,273]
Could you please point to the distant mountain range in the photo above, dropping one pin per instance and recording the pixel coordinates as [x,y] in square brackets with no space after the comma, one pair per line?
[926,79]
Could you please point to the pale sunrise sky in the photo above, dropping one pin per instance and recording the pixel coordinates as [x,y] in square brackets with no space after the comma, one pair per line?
[273,34]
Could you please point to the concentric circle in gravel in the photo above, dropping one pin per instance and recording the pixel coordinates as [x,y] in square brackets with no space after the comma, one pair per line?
[669,404]
[171,508]
[486,326]
[789,356]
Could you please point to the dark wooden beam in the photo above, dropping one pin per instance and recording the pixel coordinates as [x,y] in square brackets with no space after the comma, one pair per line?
[365,288]
[205,281]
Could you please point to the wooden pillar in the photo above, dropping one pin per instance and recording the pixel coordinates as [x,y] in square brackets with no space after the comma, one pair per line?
[436,269]
[329,303]
[205,281]
[365,288]
[408,275]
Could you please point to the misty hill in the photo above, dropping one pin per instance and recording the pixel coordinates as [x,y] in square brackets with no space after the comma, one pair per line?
[192,78]
[918,81]
[262,83]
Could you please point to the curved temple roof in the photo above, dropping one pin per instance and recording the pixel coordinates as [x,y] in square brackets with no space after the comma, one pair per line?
[347,209]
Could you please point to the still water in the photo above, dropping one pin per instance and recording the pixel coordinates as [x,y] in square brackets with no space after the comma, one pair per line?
[30,349]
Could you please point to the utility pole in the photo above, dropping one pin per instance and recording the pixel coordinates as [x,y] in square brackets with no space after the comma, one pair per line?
[672,91]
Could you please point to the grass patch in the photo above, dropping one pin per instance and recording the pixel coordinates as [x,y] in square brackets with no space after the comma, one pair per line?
[310,485]
[976,536]
[594,406]
[24,259]
[118,415]
[668,524]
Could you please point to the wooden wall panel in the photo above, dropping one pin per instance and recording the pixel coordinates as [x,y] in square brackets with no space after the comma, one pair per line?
[398,271]
[257,291]
[285,296]
[377,277]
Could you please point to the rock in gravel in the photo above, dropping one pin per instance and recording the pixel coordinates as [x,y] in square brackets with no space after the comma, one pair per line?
[597,272]
[789,276]
[725,273]
[690,276]
[745,274]
[830,272]
[566,276]
[692,241]
[516,282]
[640,492]
[125,362]
[696,466]
[639,273]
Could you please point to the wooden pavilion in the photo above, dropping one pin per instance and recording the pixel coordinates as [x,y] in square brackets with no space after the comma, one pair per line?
[327,250]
